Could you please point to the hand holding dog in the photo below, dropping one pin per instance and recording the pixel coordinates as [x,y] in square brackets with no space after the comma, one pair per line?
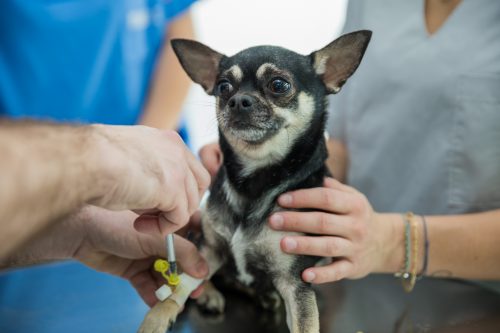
[211,157]
[345,228]
[344,225]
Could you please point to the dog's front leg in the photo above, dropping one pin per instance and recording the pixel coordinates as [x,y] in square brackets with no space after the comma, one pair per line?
[211,301]
[302,314]
[162,316]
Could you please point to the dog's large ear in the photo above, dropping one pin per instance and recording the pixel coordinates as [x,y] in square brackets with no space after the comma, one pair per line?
[199,61]
[337,61]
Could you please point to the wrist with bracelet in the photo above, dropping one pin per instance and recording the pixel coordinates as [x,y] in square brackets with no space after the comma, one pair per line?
[409,271]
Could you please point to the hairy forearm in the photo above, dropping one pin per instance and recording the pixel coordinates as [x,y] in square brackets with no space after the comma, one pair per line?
[461,246]
[48,171]
[170,83]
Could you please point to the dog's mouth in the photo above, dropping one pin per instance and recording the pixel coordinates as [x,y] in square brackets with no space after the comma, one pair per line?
[250,132]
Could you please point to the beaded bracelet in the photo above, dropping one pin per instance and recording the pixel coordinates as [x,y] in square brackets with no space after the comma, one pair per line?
[404,273]
[408,274]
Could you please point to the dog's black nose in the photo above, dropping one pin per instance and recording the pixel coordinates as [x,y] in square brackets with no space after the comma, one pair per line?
[240,102]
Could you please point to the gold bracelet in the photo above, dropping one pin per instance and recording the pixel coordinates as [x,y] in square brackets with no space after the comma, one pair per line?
[416,249]
[404,273]
[408,273]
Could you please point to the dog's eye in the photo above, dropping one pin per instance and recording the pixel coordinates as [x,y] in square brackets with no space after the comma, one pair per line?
[224,87]
[279,86]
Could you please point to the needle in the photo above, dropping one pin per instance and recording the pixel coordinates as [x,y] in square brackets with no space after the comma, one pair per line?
[171,255]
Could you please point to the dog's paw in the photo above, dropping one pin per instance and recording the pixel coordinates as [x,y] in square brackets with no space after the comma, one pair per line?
[160,318]
[270,301]
[212,301]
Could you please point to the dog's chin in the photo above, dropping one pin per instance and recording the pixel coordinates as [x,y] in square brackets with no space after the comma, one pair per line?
[251,136]
[244,135]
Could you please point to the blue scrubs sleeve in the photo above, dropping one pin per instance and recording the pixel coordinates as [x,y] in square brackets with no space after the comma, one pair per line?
[174,8]
[84,61]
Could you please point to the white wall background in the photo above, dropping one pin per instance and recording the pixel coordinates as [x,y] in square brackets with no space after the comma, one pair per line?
[229,26]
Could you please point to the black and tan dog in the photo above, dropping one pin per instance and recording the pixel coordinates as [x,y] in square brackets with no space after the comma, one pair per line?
[271,112]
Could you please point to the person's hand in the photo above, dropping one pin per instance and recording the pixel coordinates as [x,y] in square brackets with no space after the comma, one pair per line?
[107,241]
[211,157]
[149,171]
[111,244]
[344,227]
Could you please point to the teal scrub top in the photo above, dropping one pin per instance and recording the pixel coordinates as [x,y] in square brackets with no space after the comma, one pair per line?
[80,61]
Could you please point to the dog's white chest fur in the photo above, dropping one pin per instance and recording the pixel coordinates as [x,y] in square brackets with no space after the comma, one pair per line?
[266,244]
[239,247]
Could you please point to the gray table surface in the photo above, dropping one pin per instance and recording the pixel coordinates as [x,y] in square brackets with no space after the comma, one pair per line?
[371,305]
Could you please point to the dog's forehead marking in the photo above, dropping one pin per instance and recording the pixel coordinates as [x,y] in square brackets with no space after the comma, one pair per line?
[236,72]
[265,67]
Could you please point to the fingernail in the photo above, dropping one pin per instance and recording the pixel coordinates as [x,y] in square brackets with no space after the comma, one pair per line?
[290,244]
[285,199]
[202,267]
[309,276]
[276,221]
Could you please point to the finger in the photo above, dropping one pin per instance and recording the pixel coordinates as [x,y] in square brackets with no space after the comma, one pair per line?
[155,225]
[174,219]
[152,211]
[335,184]
[316,246]
[189,258]
[170,222]
[198,291]
[335,271]
[146,286]
[311,222]
[194,225]
[195,221]
[192,193]
[142,279]
[200,173]
[187,255]
[211,157]
[147,224]
[321,198]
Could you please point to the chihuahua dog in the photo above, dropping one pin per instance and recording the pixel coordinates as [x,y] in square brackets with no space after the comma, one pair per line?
[271,113]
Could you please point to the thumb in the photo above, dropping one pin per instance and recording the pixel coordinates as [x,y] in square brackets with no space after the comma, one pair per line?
[189,258]
[157,224]
[187,255]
